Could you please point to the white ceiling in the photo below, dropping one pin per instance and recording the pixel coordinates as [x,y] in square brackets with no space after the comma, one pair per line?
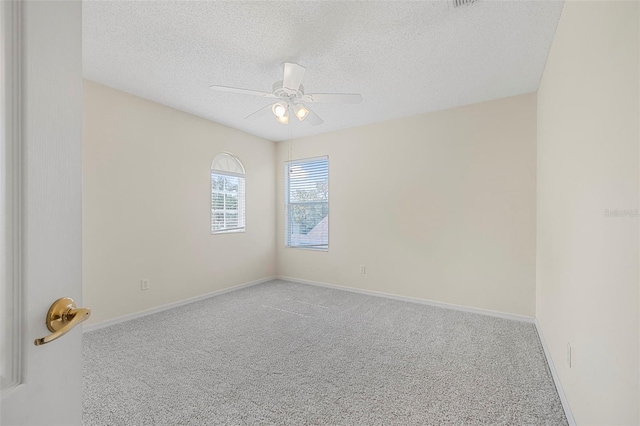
[405,58]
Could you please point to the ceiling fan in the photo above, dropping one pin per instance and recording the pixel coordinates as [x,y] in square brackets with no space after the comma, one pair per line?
[291,97]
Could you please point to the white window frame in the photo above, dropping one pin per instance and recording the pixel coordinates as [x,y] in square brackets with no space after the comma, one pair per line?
[226,164]
[288,203]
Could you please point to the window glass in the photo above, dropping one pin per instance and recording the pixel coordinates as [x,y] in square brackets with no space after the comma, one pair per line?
[307,203]
[227,194]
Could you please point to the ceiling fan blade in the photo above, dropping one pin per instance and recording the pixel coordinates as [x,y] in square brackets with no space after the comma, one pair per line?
[343,98]
[259,113]
[293,74]
[242,91]
[314,119]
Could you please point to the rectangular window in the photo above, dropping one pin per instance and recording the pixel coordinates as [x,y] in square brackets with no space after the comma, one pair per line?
[227,202]
[307,203]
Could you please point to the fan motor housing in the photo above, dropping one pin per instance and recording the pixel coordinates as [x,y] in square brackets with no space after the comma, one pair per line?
[282,92]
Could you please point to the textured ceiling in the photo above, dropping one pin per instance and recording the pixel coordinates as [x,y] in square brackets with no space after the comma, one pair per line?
[405,58]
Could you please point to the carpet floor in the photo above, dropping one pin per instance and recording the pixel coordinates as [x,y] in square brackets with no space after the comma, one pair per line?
[294,354]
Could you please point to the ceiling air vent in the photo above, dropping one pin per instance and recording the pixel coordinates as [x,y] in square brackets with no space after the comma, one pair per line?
[459,3]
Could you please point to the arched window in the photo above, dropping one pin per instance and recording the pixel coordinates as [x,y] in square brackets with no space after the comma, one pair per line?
[227,194]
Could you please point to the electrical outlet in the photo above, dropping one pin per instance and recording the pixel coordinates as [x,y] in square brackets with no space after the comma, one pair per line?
[362,269]
[144,285]
[569,355]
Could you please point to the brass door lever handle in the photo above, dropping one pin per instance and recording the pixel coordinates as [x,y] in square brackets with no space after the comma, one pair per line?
[62,317]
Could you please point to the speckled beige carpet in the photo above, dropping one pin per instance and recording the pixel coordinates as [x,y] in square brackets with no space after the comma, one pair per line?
[294,354]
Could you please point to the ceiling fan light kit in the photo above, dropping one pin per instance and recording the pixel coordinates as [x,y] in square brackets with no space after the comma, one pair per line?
[301,111]
[292,97]
[279,109]
[283,120]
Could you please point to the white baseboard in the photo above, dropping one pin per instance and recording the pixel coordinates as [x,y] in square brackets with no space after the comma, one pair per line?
[504,315]
[556,378]
[172,305]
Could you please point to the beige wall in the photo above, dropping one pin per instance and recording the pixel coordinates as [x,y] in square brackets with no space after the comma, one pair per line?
[440,206]
[146,202]
[587,263]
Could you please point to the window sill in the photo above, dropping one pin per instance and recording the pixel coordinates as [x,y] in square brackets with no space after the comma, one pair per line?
[307,248]
[228,231]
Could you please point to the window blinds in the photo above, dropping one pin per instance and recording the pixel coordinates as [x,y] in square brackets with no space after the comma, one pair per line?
[227,202]
[307,203]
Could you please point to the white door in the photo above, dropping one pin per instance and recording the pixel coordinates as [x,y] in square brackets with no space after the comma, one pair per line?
[41,209]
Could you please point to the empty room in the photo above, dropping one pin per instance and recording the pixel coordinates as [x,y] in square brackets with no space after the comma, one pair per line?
[320,213]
